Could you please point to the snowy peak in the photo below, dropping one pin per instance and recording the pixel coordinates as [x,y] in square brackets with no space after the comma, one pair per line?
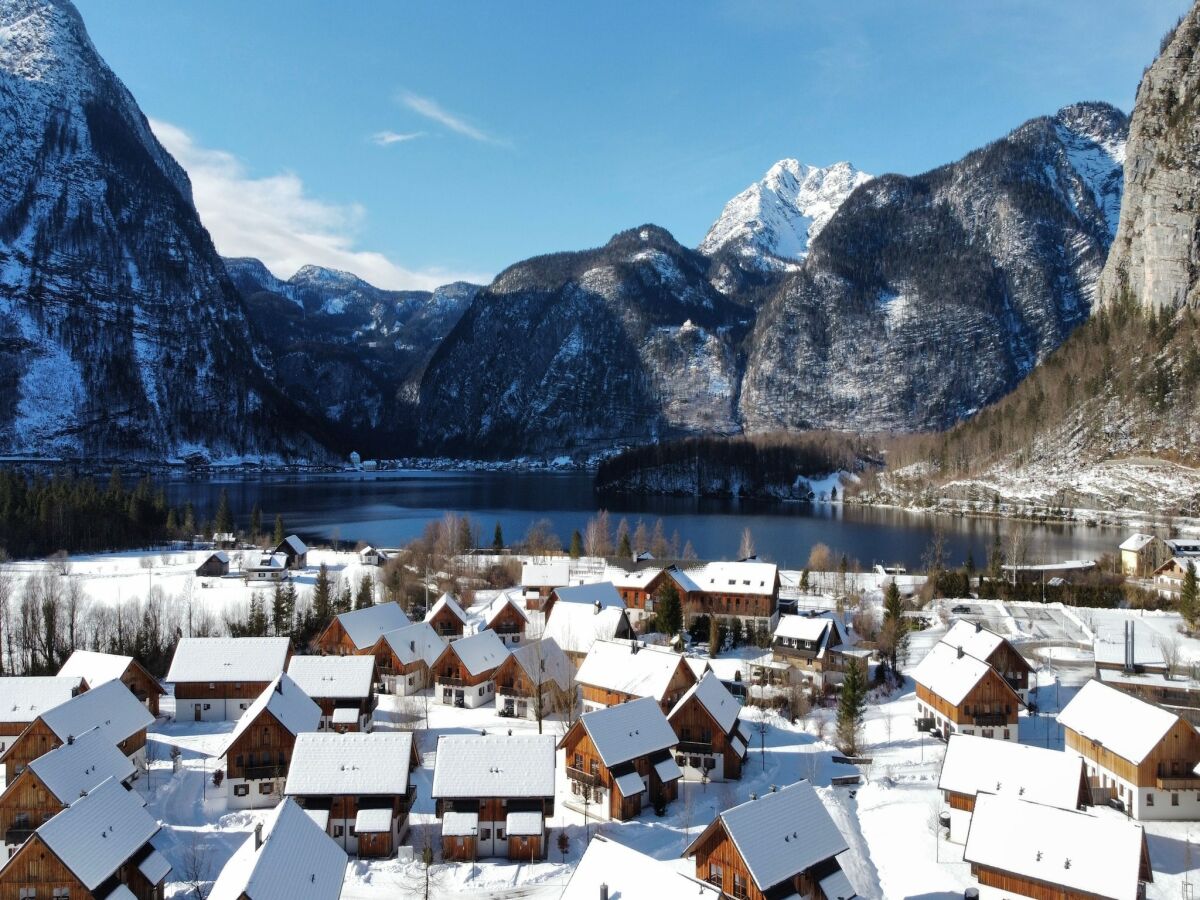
[1094,136]
[773,221]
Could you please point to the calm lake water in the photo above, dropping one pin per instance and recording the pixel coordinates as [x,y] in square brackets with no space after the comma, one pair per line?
[390,508]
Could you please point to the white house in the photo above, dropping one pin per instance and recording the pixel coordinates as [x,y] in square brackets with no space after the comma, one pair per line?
[266,567]
[217,678]
[463,674]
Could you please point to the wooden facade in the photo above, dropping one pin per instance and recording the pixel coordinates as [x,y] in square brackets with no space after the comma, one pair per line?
[39,739]
[388,665]
[719,863]
[682,679]
[513,681]
[1173,760]
[1023,886]
[143,685]
[334,641]
[1011,665]
[35,873]
[508,623]
[700,735]
[447,623]
[260,756]
[586,770]
[190,693]
[991,704]
[25,805]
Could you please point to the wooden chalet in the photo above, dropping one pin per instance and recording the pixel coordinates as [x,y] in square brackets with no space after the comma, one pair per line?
[1137,754]
[98,668]
[712,746]
[447,617]
[358,631]
[259,750]
[538,580]
[974,765]
[294,550]
[619,671]
[1021,849]
[619,759]
[504,616]
[535,681]
[957,693]
[97,848]
[637,583]
[111,708]
[494,794]
[597,594]
[811,648]
[215,565]
[25,697]
[217,678]
[782,844]
[405,657]
[372,556]
[288,856]
[358,785]
[996,651]
[747,590]
[342,686]
[464,673]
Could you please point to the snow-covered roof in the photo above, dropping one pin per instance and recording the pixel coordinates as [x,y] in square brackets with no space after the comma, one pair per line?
[111,707]
[632,875]
[494,765]
[602,592]
[1129,727]
[460,824]
[714,697]
[344,715]
[836,886]
[98,833]
[974,639]
[1149,679]
[365,626]
[480,652]
[95,668]
[24,697]
[296,859]
[154,866]
[1094,855]
[447,601]
[486,613]
[545,574]
[803,628]
[226,659]
[628,730]
[577,626]
[524,824]
[73,769]
[1136,542]
[630,667]
[749,577]
[416,642]
[1109,646]
[974,765]
[544,661]
[293,543]
[1184,547]
[218,555]
[267,562]
[949,675]
[325,764]
[637,579]
[345,677]
[373,821]
[287,702]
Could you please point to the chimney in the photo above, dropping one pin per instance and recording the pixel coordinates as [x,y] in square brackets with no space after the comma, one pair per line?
[603,892]
[70,738]
[598,607]
[960,652]
[774,789]
[978,627]
[258,835]
[753,796]
[412,646]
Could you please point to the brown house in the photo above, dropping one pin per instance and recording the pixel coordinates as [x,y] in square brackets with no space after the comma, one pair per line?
[619,759]
[342,686]
[996,651]
[97,668]
[99,845]
[494,794]
[746,590]
[404,658]
[957,693]
[25,697]
[810,648]
[294,550]
[215,565]
[619,671]
[464,674]
[447,618]
[534,681]
[506,618]
[781,844]
[711,745]
[217,678]
[539,579]
[358,631]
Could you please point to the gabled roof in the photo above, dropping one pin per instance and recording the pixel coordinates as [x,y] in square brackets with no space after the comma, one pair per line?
[1136,542]
[297,859]
[488,612]
[628,730]
[1129,727]
[365,626]
[417,641]
[631,875]
[447,601]
[544,661]
[76,768]
[974,639]
[577,626]
[803,628]
[111,707]
[1093,855]
[293,543]
[601,592]
[974,765]
[634,579]
[284,700]
[25,697]
[780,834]
[480,652]
[948,674]
[374,764]
[96,668]
[226,659]
[333,677]
[630,667]
[219,555]
[266,562]
[97,834]
[746,577]
[494,765]
[714,697]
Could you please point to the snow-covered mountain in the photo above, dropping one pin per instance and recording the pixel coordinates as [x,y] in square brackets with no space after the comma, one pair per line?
[122,333]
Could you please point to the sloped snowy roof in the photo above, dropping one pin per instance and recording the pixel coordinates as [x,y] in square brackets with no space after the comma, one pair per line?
[974,639]
[1136,542]
[324,764]
[974,765]
[365,626]
[836,886]
[334,677]
[373,821]
[95,668]
[780,834]
[632,875]
[494,765]
[479,653]
[487,613]
[24,697]
[226,659]
[636,579]
[1099,856]
[73,769]
[266,562]
[577,626]
[287,702]
[111,707]
[735,577]
[602,592]
[949,675]
[545,574]
[296,859]
[803,628]
[416,642]
[546,658]
[1122,723]
[1109,646]
[97,834]
[447,601]
[293,542]
[714,697]
[628,730]
[631,667]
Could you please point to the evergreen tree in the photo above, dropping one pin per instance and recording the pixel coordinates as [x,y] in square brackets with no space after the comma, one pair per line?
[1189,600]
[322,598]
[256,624]
[576,544]
[366,593]
[280,533]
[852,707]
[255,521]
[189,520]
[624,548]
[668,611]
[895,632]
[283,611]
[345,599]
[804,581]
[172,522]
[224,521]
[498,538]
[464,538]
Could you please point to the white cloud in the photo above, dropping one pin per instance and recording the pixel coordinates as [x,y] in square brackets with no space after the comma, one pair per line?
[274,219]
[386,138]
[432,110]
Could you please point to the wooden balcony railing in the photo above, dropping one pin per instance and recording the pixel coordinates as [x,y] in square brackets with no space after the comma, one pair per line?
[693,747]
[990,720]
[257,773]
[582,777]
[1178,783]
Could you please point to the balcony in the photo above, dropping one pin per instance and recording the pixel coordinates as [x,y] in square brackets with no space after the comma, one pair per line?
[693,747]
[1178,783]
[990,720]
[259,773]
[451,682]
[582,777]
[17,835]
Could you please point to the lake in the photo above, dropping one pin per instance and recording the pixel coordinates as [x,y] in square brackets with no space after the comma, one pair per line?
[390,508]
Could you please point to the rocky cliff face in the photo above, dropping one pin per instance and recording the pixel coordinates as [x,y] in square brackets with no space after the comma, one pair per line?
[1155,259]
[122,333]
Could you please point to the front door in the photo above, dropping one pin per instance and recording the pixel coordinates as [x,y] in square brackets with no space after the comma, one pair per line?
[198,710]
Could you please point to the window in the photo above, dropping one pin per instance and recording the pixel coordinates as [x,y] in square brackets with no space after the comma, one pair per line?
[27,893]
[1174,799]
[1149,799]
[578,761]
[716,875]
[240,761]
[595,767]
[338,830]
[266,787]
[739,886]
[241,790]
[61,893]
[499,834]
[485,834]
[1006,734]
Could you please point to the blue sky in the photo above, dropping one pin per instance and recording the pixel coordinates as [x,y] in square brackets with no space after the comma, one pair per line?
[518,129]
